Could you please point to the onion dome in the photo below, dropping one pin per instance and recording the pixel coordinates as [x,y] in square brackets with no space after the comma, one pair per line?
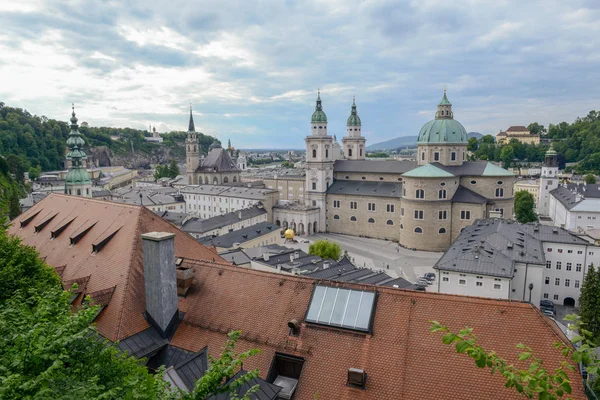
[353,119]
[444,129]
[319,115]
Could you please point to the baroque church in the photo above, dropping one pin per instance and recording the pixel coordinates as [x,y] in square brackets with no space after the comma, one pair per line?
[421,204]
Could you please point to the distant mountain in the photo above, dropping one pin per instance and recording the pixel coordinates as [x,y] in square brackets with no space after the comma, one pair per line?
[410,141]
[476,135]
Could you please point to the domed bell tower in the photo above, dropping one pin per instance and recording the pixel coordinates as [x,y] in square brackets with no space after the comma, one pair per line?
[319,164]
[192,151]
[353,142]
[548,181]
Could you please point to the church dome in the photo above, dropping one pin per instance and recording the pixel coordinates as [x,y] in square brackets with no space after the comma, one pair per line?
[77,176]
[353,119]
[444,129]
[319,115]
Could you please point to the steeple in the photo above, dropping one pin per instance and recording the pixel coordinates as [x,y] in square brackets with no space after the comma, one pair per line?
[319,115]
[444,108]
[191,127]
[77,181]
[353,119]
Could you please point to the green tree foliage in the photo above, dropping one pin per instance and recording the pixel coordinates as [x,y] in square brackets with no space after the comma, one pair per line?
[524,207]
[535,381]
[589,302]
[35,173]
[507,155]
[167,171]
[10,193]
[287,164]
[378,154]
[473,144]
[214,381]
[536,128]
[325,249]
[590,179]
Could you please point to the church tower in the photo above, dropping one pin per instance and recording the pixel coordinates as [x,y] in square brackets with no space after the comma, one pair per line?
[319,164]
[548,181]
[192,151]
[77,181]
[353,142]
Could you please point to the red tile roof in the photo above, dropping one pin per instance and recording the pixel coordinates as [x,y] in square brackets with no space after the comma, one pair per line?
[117,264]
[517,128]
[402,359]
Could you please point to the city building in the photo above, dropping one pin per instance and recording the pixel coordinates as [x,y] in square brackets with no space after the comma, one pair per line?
[520,133]
[172,301]
[507,260]
[575,207]
[260,234]
[155,199]
[225,223]
[77,181]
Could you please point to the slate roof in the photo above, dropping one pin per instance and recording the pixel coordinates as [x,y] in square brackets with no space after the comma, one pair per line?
[118,264]
[154,196]
[567,195]
[491,247]
[366,188]
[190,366]
[229,191]
[374,166]
[464,195]
[517,128]
[240,236]
[266,390]
[197,225]
[217,160]
[176,218]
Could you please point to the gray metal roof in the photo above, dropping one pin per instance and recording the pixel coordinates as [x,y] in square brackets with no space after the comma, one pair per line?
[364,188]
[190,366]
[572,194]
[240,236]
[154,196]
[241,192]
[217,160]
[464,195]
[491,247]
[144,343]
[176,218]
[374,166]
[236,257]
[197,225]
[468,168]
[266,390]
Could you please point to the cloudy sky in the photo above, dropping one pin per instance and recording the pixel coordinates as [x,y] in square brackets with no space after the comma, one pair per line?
[251,68]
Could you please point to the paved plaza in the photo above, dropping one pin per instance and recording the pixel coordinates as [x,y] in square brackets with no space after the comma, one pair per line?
[379,254]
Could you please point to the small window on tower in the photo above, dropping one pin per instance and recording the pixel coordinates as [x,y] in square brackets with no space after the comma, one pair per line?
[314,152]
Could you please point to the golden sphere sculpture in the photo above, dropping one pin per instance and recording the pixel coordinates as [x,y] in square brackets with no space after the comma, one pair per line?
[289,234]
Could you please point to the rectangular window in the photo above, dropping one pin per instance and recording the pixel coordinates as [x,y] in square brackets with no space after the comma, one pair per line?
[545,295]
[497,286]
[465,214]
[336,204]
[560,251]
[462,282]
[578,268]
[567,282]
[371,206]
[445,279]
[549,249]
[555,297]
[418,214]
[570,251]
[479,284]
[345,308]
[390,208]
[548,264]
[558,265]
[569,266]
[314,186]
[442,214]
[353,205]
[547,281]
[557,281]
[436,156]
[579,252]
[402,211]
[576,284]
[591,253]
[453,156]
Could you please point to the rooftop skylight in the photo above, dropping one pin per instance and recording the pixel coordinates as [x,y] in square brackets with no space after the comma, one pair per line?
[345,308]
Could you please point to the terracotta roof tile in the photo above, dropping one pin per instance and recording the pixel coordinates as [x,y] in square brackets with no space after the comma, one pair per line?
[118,264]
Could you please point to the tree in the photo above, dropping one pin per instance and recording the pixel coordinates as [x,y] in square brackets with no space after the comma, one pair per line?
[507,155]
[325,249]
[535,381]
[524,207]
[472,144]
[590,179]
[536,128]
[589,301]
[166,171]
[35,173]
[215,380]
[173,169]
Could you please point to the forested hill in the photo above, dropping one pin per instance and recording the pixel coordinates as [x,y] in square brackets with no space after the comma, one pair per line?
[10,193]
[28,140]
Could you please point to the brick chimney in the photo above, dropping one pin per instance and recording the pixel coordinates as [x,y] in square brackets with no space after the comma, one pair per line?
[160,280]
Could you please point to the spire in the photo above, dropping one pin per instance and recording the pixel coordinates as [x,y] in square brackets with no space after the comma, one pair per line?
[444,108]
[319,107]
[77,174]
[445,101]
[319,115]
[228,143]
[353,119]
[191,127]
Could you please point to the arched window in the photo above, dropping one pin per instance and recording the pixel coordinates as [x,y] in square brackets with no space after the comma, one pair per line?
[442,194]
[336,217]
[418,229]
[349,152]
[205,180]
[442,230]
[194,148]
[78,192]
[326,153]
[447,112]
[226,180]
[234,179]
[423,156]
[389,222]
[215,181]
[363,178]
[314,153]
[371,220]
[353,218]
[420,194]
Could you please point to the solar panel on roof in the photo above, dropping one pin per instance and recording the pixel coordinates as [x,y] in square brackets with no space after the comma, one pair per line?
[344,308]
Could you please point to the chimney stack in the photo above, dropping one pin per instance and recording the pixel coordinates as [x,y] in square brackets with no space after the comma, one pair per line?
[160,280]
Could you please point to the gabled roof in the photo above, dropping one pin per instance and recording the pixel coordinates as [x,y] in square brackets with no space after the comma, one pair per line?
[218,160]
[427,171]
[578,197]
[241,235]
[197,225]
[117,264]
[517,128]
[464,195]
[365,188]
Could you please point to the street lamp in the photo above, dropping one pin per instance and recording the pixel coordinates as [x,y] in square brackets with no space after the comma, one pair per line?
[530,289]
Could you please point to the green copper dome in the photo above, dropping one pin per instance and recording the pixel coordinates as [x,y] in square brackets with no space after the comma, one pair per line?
[77,176]
[445,101]
[319,114]
[443,131]
[353,119]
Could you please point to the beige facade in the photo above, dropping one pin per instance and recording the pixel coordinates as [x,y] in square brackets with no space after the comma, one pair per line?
[290,188]
[530,185]
[302,219]
[451,154]
[368,176]
[520,133]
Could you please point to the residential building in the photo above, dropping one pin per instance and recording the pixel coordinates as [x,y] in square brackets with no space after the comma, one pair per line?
[261,234]
[507,260]
[145,274]
[520,133]
[155,199]
[576,207]
[222,224]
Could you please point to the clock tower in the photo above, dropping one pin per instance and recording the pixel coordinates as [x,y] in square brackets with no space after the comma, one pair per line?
[319,164]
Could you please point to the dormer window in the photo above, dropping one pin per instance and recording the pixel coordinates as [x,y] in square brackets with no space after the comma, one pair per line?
[285,372]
